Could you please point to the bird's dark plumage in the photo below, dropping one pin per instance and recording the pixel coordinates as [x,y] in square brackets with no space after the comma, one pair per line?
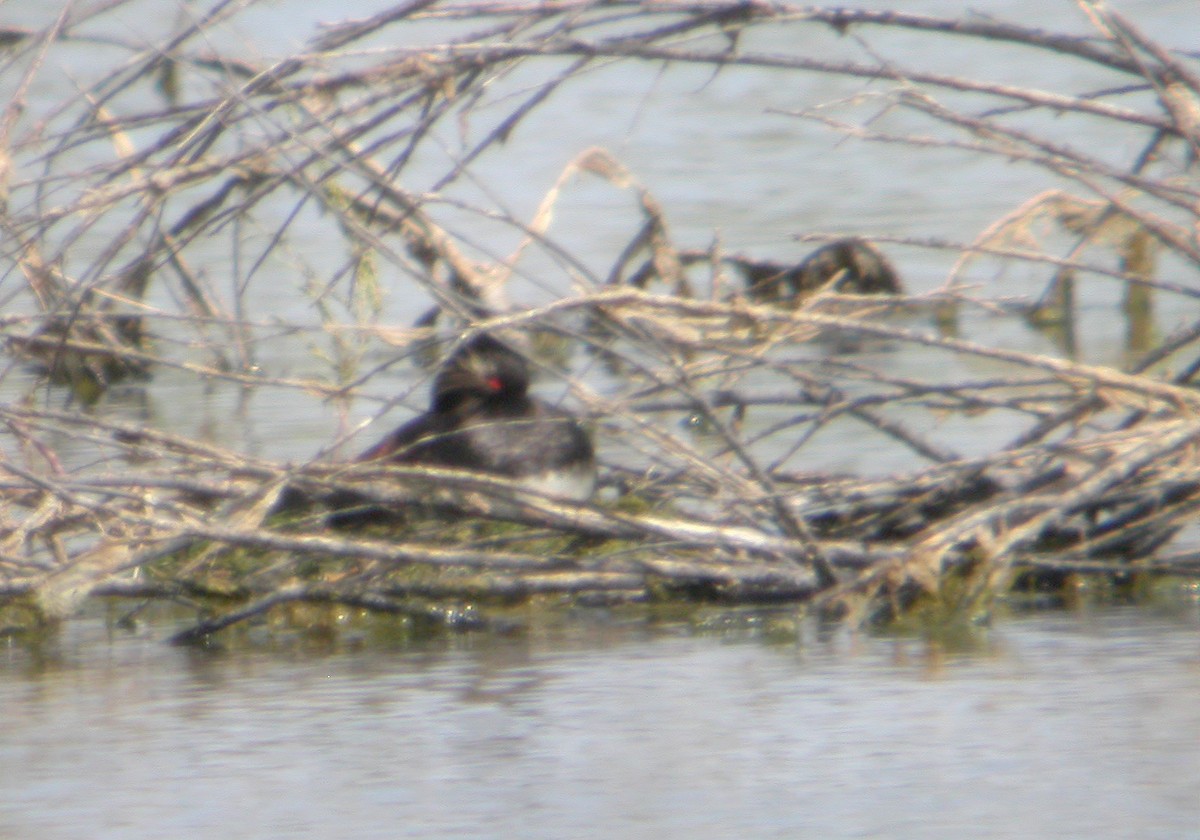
[482,418]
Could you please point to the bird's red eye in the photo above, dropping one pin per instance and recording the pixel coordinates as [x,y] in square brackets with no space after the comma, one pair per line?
[494,383]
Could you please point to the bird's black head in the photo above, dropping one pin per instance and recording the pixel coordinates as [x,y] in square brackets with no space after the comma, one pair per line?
[485,370]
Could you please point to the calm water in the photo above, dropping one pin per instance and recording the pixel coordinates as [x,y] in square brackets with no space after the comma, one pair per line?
[1052,725]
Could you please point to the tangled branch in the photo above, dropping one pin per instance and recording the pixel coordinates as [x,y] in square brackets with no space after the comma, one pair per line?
[194,216]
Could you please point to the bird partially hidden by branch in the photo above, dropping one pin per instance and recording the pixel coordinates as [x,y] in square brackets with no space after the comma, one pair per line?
[482,418]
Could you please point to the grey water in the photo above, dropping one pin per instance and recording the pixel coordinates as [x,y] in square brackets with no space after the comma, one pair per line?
[1073,725]
[1053,724]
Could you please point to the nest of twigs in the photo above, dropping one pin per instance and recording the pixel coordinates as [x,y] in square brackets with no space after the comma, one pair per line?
[709,377]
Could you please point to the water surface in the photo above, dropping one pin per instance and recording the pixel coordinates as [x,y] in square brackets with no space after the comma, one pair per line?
[1052,725]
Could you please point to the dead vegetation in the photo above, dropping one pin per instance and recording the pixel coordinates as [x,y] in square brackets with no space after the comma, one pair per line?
[150,228]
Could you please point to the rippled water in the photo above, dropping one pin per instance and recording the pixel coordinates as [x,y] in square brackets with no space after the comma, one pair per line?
[1053,725]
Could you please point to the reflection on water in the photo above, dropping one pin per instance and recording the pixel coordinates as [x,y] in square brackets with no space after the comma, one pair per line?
[1059,725]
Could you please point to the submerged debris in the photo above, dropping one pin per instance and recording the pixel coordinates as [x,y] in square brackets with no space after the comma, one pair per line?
[88,353]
